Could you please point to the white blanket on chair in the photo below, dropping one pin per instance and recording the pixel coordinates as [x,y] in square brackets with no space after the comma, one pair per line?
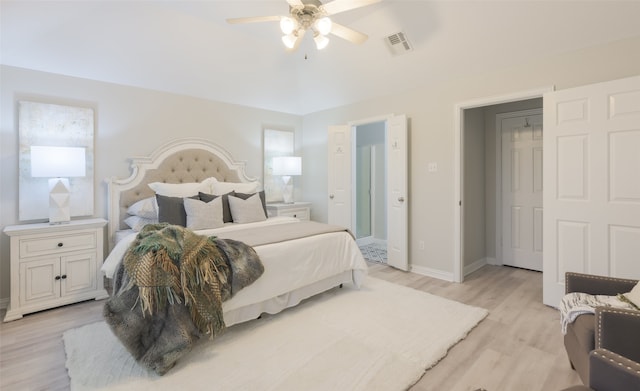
[578,303]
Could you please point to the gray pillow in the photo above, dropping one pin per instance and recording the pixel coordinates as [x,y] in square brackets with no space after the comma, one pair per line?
[246,211]
[171,210]
[226,212]
[203,215]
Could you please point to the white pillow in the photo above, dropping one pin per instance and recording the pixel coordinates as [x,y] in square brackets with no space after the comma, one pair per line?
[219,188]
[203,215]
[246,211]
[634,295]
[137,222]
[182,189]
[147,208]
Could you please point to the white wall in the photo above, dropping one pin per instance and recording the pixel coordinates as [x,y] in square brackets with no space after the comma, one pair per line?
[431,135]
[129,122]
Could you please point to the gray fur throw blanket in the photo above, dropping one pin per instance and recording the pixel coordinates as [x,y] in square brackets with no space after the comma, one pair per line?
[168,291]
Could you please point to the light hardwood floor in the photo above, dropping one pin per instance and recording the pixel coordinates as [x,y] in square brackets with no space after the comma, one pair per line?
[517,347]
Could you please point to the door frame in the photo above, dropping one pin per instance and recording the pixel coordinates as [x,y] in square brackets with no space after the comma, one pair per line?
[499,118]
[458,164]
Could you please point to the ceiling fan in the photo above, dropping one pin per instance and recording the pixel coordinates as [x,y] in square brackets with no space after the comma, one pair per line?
[312,15]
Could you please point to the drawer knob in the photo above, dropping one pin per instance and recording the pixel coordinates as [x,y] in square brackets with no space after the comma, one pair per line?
[295,215]
[57,278]
[60,244]
[64,277]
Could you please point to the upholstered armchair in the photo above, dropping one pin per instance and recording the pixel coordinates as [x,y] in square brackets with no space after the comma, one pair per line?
[604,348]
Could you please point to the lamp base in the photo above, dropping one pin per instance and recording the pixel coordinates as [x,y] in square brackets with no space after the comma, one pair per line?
[59,197]
[287,189]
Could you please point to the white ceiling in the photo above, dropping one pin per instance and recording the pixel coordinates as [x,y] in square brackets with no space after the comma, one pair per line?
[186,47]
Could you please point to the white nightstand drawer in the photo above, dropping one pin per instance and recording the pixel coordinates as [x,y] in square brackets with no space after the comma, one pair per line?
[299,210]
[302,213]
[57,243]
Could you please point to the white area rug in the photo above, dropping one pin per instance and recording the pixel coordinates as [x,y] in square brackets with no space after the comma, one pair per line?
[381,337]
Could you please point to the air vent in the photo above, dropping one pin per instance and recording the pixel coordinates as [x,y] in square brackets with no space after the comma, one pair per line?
[398,43]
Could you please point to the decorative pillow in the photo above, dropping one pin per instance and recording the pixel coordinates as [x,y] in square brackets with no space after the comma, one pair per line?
[136,222]
[146,208]
[226,212]
[633,297]
[246,211]
[171,210]
[203,215]
[226,187]
[181,189]
[263,199]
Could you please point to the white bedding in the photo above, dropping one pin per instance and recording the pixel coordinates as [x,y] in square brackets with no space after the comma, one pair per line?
[305,266]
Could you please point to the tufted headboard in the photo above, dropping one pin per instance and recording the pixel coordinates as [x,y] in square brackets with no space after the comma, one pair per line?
[179,161]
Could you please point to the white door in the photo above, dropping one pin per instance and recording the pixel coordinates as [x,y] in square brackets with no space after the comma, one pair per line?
[522,191]
[591,180]
[339,173]
[397,203]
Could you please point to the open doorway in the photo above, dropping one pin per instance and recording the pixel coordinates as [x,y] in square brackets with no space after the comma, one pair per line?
[478,171]
[341,182]
[497,166]
[369,199]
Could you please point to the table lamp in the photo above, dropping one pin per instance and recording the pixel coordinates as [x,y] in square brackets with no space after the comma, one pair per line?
[57,164]
[287,166]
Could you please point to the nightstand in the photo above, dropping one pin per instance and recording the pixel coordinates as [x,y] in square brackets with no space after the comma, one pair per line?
[300,210]
[54,265]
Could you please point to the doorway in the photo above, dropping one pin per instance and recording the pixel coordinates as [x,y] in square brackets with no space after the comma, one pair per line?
[341,160]
[477,224]
[369,202]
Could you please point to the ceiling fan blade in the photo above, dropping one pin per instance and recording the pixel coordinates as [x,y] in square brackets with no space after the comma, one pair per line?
[347,33]
[254,19]
[337,6]
[296,3]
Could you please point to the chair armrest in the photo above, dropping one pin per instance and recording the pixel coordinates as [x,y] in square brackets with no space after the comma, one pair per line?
[597,285]
[609,371]
[618,330]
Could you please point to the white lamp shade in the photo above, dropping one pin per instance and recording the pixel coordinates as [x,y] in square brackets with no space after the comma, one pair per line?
[287,25]
[323,25]
[53,162]
[289,40]
[321,41]
[287,165]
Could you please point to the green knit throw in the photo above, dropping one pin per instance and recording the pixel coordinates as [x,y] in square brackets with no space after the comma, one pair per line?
[170,265]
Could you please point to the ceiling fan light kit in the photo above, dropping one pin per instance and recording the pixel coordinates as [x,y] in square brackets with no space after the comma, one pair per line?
[313,15]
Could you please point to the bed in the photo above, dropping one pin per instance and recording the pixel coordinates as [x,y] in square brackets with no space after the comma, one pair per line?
[294,269]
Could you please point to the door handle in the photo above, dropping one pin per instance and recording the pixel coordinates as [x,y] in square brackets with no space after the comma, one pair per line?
[400,199]
[331,196]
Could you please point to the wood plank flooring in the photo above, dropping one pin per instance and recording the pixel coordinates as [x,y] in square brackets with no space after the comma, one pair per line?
[517,347]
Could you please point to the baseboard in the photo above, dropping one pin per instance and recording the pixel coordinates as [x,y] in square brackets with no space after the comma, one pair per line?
[493,261]
[364,241]
[426,271]
[468,269]
[371,240]
[4,303]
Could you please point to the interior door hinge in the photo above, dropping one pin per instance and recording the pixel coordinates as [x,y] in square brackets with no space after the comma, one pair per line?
[460,203]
